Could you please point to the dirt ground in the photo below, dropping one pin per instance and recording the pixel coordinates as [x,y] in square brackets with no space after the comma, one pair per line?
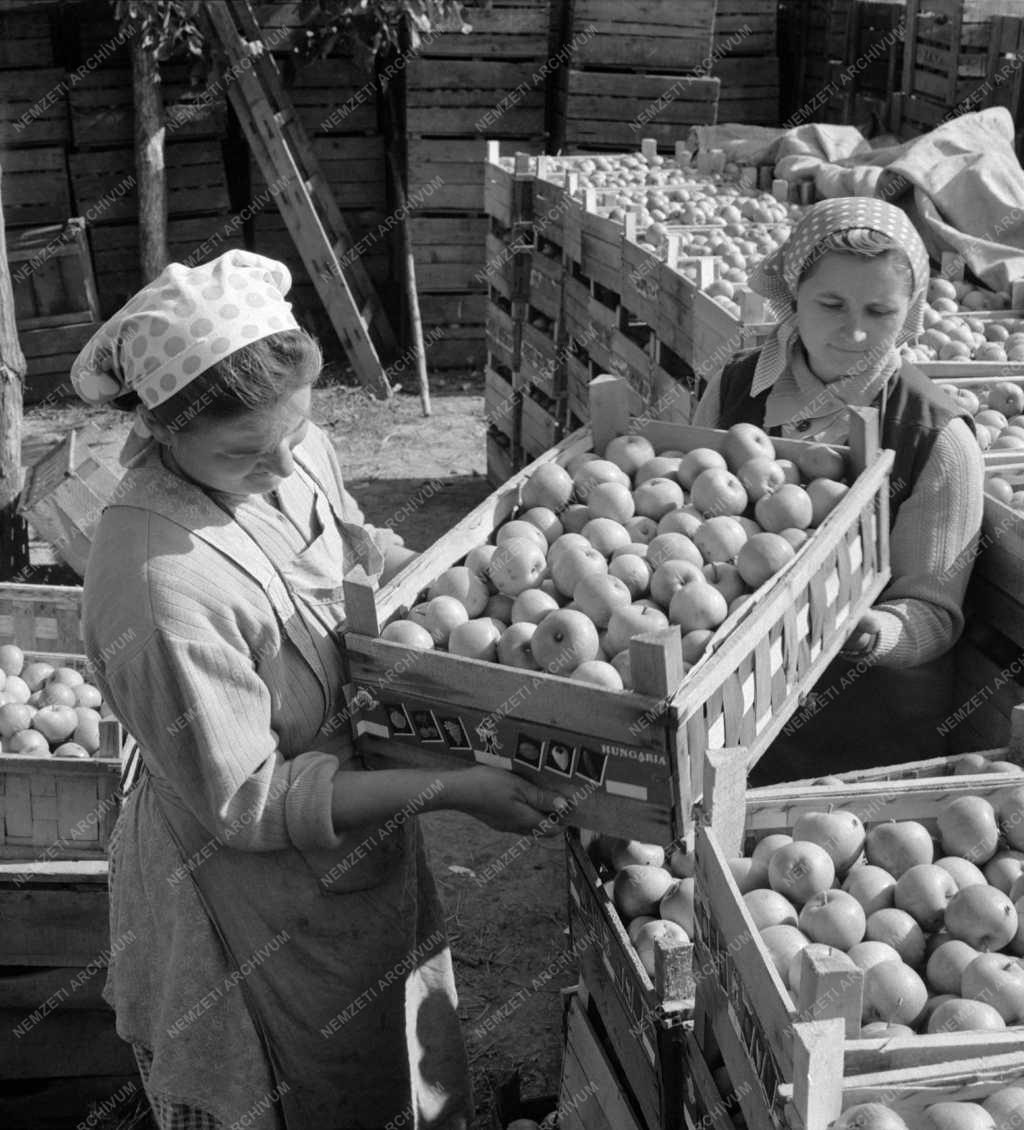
[507,918]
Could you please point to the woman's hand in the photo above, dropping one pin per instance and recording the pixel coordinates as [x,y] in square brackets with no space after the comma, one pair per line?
[505,801]
[864,636]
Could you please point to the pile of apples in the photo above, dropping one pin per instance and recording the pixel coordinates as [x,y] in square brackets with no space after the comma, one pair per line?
[46,710]
[947,296]
[952,337]
[629,542]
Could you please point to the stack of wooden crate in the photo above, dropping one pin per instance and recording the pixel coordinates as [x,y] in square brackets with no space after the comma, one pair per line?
[634,71]
[461,90]
[746,61]
[959,56]
[61,1059]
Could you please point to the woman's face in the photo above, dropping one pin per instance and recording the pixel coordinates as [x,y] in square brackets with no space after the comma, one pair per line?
[246,454]
[849,310]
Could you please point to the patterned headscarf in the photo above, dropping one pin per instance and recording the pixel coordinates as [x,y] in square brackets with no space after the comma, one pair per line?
[184,321]
[776,277]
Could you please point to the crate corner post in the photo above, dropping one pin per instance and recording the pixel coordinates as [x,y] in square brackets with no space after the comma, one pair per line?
[360,604]
[609,408]
[818,1071]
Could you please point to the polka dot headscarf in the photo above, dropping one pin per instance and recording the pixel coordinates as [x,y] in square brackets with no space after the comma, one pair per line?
[776,277]
[179,325]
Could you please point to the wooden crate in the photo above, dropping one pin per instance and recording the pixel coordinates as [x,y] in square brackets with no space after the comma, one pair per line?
[501,406]
[105,188]
[608,109]
[33,107]
[503,333]
[946,53]
[540,427]
[103,113]
[501,30]
[704,1106]
[749,89]
[546,279]
[662,36]
[500,462]
[59,1050]
[644,1020]
[448,252]
[51,275]
[508,261]
[789,1071]
[65,494]
[49,354]
[593,1094]
[541,363]
[754,19]
[634,756]
[35,186]
[463,97]
[577,382]
[333,96]
[25,35]
[42,618]
[355,170]
[455,168]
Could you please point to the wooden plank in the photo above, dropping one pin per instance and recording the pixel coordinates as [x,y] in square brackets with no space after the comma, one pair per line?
[53,926]
[36,188]
[72,987]
[33,107]
[588,1072]
[25,35]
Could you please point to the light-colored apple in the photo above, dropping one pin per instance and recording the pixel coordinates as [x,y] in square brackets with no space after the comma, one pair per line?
[720,539]
[625,623]
[629,452]
[965,873]
[896,845]
[611,500]
[893,993]
[657,497]
[408,634]
[996,979]
[898,929]
[695,462]
[946,964]
[744,442]
[833,918]
[563,640]
[598,595]
[514,648]
[718,491]
[866,954]
[968,828]
[572,565]
[769,908]
[924,891]
[549,485]
[648,936]
[983,917]
[677,904]
[873,887]
[799,870]
[639,888]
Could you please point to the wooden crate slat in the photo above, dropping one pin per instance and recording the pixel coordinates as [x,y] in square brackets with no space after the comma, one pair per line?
[33,106]
[25,35]
[35,186]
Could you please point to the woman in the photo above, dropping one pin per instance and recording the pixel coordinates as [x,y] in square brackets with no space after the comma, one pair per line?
[283,960]
[849,287]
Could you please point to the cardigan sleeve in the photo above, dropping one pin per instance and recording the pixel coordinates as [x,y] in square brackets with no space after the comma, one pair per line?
[933,545]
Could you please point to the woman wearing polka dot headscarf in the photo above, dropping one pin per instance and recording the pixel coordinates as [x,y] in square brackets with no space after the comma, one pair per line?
[287,964]
[849,287]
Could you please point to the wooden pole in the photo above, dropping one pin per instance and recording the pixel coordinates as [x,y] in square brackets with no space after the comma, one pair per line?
[412,298]
[13,531]
[149,161]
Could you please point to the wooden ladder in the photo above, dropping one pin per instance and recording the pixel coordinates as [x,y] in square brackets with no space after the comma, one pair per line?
[290,166]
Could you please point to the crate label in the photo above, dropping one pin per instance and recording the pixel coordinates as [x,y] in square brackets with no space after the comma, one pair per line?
[748,1027]
[497,738]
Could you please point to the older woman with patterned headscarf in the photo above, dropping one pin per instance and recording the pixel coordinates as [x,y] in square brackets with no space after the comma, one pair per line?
[282,958]
[849,287]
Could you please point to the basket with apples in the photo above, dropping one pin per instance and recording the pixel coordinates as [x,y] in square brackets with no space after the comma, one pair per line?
[890,915]
[604,626]
[60,750]
[631,920]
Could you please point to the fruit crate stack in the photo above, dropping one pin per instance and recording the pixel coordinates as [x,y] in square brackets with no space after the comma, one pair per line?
[746,61]
[460,90]
[635,756]
[958,55]
[59,1050]
[634,71]
[880,1011]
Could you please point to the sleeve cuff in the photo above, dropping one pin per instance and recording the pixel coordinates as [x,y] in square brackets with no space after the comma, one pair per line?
[885,653]
[309,801]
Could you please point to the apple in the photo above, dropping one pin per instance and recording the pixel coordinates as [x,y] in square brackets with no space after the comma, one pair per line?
[546,520]
[637,924]
[695,643]
[68,676]
[71,749]
[968,828]
[956,1116]
[996,979]
[514,646]
[769,908]
[893,993]
[439,616]
[673,547]
[657,497]
[475,639]
[28,743]
[661,466]
[768,845]
[517,564]
[1008,804]
[760,477]
[726,578]
[694,462]
[549,485]
[641,529]
[619,853]
[744,442]
[87,732]
[571,566]
[629,452]
[961,1015]
[924,891]
[574,517]
[478,561]
[788,508]
[636,620]
[983,917]
[499,607]
[55,723]
[718,491]
[595,472]
[720,539]
[799,870]
[408,634]
[1004,869]
[946,965]
[819,461]
[598,595]
[633,572]
[677,904]
[833,918]
[638,889]
[825,496]
[685,521]
[672,577]
[465,586]
[963,871]
[782,942]
[598,673]
[567,541]
[873,887]
[12,658]
[681,862]
[611,500]
[840,833]
[1007,1107]
[698,606]
[36,675]
[896,845]
[660,931]
[516,530]
[866,954]
[896,928]
[749,874]
[563,640]
[606,535]
[868,1116]
[15,717]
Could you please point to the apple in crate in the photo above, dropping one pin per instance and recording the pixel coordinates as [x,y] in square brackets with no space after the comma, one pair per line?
[868,1116]
[12,659]
[36,675]
[55,723]
[15,717]
[87,732]
[31,743]
[71,749]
